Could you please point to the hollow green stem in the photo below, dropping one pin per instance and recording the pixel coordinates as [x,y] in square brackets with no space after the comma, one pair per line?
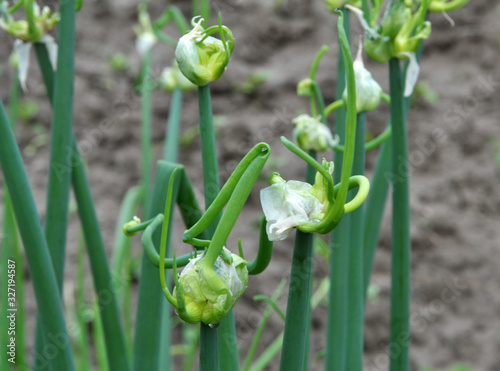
[81,307]
[108,307]
[122,260]
[375,205]
[209,352]
[372,144]
[11,249]
[265,251]
[354,357]
[152,253]
[37,253]
[337,307]
[174,119]
[334,106]
[350,119]
[208,151]
[446,5]
[34,32]
[376,202]
[315,100]
[401,247]
[172,13]
[315,65]
[146,129]
[115,341]
[165,221]
[150,301]
[16,6]
[298,306]
[60,163]
[60,169]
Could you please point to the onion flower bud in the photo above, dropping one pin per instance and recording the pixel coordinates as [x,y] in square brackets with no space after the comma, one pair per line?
[201,57]
[311,134]
[197,298]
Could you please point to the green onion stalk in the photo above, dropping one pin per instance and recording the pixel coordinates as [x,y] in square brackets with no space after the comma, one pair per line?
[145,89]
[401,246]
[355,299]
[334,206]
[193,53]
[37,253]
[108,307]
[298,316]
[11,249]
[380,186]
[60,171]
[337,308]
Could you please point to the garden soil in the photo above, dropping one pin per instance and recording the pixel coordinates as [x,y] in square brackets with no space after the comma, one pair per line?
[454,138]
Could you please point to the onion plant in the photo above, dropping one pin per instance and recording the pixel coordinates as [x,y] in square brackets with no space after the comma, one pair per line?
[214,275]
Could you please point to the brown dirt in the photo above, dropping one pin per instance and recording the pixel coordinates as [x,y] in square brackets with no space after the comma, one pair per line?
[455,200]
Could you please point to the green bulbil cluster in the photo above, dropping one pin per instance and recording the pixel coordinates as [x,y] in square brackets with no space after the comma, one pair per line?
[42,21]
[304,88]
[312,134]
[200,299]
[399,33]
[201,57]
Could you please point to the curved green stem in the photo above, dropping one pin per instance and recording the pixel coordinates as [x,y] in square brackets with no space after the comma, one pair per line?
[218,203]
[348,159]
[318,98]
[313,163]
[146,351]
[150,249]
[34,33]
[314,99]
[446,6]
[298,304]
[372,144]
[315,65]
[265,251]
[16,6]
[333,106]
[238,198]
[364,187]
[163,246]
